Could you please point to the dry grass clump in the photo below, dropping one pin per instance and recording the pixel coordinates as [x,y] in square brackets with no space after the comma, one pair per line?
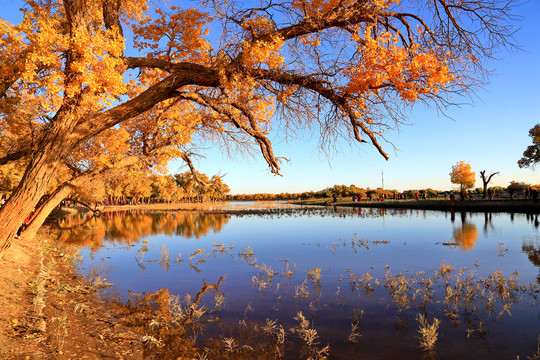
[310,338]
[428,332]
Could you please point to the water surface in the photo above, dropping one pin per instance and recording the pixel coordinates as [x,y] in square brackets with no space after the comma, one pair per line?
[341,268]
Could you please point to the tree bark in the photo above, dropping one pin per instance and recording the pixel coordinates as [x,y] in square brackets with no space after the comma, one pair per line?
[42,211]
[30,190]
[486,182]
[59,140]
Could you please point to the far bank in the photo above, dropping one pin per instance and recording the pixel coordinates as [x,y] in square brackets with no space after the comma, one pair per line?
[511,206]
[506,205]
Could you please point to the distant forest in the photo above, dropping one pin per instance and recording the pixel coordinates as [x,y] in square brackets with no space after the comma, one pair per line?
[344,191]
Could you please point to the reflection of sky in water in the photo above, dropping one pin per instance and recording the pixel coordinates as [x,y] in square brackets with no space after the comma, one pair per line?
[405,240]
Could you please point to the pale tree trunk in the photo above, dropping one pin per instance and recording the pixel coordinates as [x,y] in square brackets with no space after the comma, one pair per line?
[40,172]
[65,190]
[42,212]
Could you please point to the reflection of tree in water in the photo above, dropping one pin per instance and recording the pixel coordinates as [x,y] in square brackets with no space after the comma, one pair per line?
[533,253]
[532,249]
[488,223]
[198,224]
[129,227]
[466,235]
[533,218]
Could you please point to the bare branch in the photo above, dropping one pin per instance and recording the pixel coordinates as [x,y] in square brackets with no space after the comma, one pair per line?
[187,159]
[236,119]
[320,87]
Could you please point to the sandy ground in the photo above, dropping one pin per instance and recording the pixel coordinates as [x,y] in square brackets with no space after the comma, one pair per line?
[49,312]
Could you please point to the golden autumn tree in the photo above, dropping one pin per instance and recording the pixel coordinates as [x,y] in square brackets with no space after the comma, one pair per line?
[348,68]
[462,175]
[144,143]
[531,155]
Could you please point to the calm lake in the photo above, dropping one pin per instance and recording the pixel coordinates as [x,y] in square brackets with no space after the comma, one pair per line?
[360,277]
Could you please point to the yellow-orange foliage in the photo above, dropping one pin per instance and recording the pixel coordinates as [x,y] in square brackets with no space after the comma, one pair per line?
[463,175]
[384,63]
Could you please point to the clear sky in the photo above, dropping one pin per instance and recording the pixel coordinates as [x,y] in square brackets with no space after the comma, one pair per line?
[490,134]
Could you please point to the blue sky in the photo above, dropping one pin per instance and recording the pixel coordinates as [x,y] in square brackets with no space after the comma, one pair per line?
[490,134]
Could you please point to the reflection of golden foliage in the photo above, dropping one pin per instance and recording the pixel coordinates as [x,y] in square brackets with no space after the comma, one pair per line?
[154,316]
[466,236]
[167,323]
[130,227]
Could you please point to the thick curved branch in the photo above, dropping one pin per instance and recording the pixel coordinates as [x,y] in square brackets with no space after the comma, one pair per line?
[15,155]
[338,17]
[111,19]
[153,63]
[183,74]
[5,84]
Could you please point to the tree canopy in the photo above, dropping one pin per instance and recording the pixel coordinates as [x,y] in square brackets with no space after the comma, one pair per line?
[84,84]
[462,175]
[531,155]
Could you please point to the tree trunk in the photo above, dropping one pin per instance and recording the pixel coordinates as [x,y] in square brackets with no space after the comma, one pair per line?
[57,142]
[33,185]
[42,212]
[486,182]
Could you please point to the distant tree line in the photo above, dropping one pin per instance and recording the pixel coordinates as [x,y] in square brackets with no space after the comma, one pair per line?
[141,188]
[336,192]
[343,191]
[138,188]
[184,187]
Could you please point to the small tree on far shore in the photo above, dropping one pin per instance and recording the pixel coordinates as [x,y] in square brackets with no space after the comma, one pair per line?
[486,181]
[462,175]
[516,186]
[531,155]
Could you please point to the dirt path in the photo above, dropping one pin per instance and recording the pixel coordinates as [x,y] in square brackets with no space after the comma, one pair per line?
[47,311]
